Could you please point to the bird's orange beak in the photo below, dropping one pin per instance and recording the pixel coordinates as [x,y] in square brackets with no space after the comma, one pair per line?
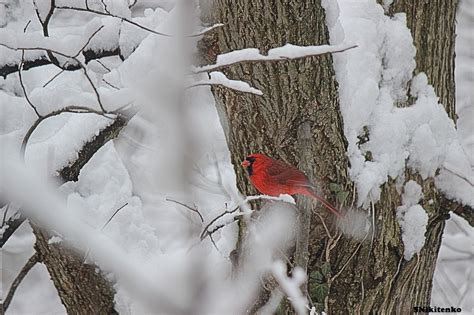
[245,163]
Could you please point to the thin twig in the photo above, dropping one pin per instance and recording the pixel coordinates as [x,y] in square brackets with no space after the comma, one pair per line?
[206,232]
[113,215]
[103,227]
[53,78]
[20,68]
[89,10]
[104,66]
[105,6]
[470,182]
[23,86]
[68,109]
[324,224]
[67,56]
[19,278]
[88,41]
[26,26]
[187,207]
[110,84]
[94,88]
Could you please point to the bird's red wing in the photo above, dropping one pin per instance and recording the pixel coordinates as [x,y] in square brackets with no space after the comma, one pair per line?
[291,177]
[275,167]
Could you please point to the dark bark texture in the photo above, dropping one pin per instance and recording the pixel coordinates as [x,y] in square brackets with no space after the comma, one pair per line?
[298,120]
[81,288]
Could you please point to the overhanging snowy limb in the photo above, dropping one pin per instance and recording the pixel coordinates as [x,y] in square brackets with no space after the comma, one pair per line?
[71,172]
[286,52]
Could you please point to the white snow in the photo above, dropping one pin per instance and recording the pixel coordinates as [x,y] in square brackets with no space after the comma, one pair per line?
[412,219]
[218,78]
[287,51]
[152,245]
[373,79]
[291,286]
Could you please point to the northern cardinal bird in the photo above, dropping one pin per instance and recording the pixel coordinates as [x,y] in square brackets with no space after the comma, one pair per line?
[272,177]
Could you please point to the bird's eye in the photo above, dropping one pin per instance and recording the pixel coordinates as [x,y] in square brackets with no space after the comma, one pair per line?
[251,159]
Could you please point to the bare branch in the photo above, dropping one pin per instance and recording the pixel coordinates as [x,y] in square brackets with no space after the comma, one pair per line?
[187,207]
[67,56]
[103,227]
[54,77]
[89,40]
[68,109]
[19,278]
[458,174]
[20,77]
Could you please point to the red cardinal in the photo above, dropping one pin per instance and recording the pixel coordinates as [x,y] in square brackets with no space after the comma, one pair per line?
[272,177]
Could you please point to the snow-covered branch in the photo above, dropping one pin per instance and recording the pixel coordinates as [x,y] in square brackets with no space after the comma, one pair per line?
[68,109]
[232,215]
[286,52]
[218,78]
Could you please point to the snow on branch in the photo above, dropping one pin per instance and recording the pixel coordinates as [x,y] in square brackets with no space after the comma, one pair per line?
[231,215]
[218,78]
[286,52]
[68,109]
[131,22]
[42,203]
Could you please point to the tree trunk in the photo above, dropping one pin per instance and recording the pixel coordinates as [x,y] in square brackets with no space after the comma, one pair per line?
[298,120]
[81,288]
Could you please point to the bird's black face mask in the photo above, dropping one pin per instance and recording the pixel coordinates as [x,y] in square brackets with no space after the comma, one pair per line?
[248,163]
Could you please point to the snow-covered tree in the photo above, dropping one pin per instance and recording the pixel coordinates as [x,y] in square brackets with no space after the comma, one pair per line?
[123,125]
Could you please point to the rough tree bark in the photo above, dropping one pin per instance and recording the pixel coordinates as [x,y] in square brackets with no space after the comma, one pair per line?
[298,120]
[81,288]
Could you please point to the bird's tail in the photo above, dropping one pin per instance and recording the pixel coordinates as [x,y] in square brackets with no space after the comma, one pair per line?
[325,203]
